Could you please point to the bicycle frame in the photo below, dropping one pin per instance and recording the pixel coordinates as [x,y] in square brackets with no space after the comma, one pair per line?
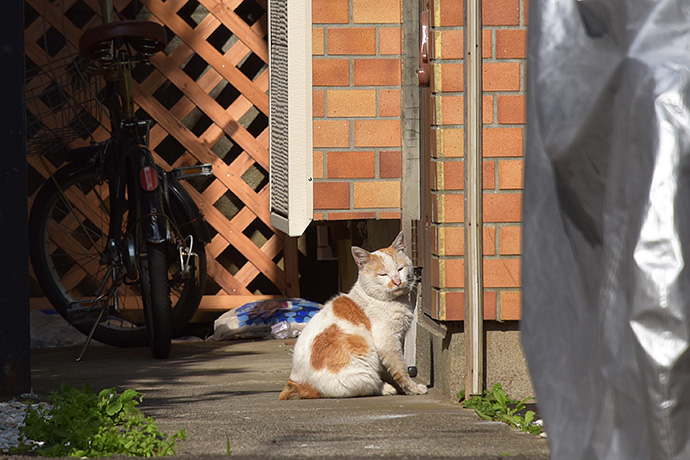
[128,158]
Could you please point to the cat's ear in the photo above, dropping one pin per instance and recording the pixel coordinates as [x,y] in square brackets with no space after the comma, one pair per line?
[399,243]
[360,255]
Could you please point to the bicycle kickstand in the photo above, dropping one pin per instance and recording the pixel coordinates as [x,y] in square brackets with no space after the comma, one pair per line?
[104,307]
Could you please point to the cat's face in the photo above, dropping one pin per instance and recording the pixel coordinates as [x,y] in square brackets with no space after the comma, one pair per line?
[387,273]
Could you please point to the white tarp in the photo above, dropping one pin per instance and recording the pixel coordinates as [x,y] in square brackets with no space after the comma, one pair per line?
[606,315]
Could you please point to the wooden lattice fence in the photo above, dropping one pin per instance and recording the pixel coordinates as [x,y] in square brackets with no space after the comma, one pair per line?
[206,94]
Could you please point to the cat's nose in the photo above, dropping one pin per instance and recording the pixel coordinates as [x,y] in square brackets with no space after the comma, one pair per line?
[396,280]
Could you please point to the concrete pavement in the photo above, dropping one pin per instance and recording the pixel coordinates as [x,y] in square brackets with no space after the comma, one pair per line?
[227,392]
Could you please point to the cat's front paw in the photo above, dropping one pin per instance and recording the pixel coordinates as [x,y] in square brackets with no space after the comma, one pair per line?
[420,389]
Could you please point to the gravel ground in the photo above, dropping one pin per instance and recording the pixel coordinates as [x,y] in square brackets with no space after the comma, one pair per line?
[12,418]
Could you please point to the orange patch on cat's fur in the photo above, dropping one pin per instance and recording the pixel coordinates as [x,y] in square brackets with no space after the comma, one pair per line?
[374,264]
[294,390]
[334,349]
[345,308]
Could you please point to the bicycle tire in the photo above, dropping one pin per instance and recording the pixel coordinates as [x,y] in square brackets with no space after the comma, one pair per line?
[157,309]
[71,272]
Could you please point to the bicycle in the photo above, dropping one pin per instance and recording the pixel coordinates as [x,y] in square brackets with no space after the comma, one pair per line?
[112,234]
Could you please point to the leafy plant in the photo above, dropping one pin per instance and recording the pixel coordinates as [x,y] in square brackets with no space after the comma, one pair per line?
[83,424]
[495,404]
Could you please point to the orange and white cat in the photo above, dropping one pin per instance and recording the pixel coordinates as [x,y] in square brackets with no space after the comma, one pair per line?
[353,346]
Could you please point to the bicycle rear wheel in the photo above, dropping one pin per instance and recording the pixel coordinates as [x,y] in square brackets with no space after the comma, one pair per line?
[158,314]
[80,274]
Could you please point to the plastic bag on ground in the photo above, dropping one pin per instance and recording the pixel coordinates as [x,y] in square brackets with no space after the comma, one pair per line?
[255,319]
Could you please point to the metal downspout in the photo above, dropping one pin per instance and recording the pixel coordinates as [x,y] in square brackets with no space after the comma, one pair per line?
[474,301]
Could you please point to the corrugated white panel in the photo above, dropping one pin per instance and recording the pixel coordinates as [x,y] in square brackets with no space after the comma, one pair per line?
[290,120]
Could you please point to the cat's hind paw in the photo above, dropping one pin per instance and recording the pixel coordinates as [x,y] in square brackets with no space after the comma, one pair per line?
[388,389]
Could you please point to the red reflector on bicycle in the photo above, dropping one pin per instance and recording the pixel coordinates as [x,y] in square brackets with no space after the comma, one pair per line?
[149,179]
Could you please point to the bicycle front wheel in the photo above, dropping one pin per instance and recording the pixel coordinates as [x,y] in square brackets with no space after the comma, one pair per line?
[80,275]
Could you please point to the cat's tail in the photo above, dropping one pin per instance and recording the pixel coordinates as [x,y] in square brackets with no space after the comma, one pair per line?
[295,390]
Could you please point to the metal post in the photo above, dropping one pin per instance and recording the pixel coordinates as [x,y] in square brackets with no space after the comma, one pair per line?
[474,304]
[15,375]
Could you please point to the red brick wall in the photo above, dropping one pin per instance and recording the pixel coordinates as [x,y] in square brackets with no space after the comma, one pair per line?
[357,135]
[504,33]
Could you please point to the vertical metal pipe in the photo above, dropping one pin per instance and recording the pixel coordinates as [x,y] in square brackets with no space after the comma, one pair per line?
[474,286]
[107,11]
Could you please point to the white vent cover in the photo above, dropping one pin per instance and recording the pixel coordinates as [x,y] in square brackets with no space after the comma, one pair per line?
[290,118]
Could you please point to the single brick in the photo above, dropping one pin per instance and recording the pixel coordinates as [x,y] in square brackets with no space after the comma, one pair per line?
[435,272]
[489,240]
[501,76]
[510,109]
[446,13]
[346,165]
[500,273]
[453,208]
[331,195]
[487,48]
[330,72]
[487,109]
[502,142]
[330,11]
[435,173]
[390,40]
[389,102]
[390,164]
[454,274]
[451,110]
[318,165]
[452,241]
[434,243]
[351,103]
[376,72]
[511,174]
[377,133]
[488,175]
[351,215]
[448,77]
[318,103]
[511,305]
[319,216]
[501,12]
[317,41]
[510,240]
[376,11]
[389,215]
[451,305]
[357,41]
[331,133]
[453,175]
[502,207]
[449,44]
[380,194]
[395,215]
[490,305]
[448,143]
[511,44]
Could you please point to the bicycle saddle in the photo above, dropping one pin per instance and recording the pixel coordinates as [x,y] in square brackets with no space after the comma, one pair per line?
[145,37]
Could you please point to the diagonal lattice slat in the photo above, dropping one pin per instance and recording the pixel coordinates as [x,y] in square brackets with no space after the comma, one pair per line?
[207,96]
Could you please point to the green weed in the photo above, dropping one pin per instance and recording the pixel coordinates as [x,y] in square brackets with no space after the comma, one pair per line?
[496,405]
[83,424]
